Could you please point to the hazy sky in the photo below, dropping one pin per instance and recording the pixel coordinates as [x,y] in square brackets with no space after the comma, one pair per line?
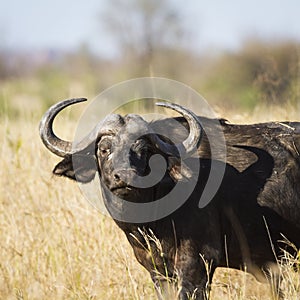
[216,23]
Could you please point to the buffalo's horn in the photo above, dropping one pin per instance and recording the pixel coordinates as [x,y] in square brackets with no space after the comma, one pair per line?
[51,141]
[192,142]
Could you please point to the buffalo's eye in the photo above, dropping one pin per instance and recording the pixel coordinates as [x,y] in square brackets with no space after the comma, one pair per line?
[139,148]
[104,152]
[104,148]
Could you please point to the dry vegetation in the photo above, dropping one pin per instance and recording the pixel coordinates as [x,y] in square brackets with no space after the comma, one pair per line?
[55,245]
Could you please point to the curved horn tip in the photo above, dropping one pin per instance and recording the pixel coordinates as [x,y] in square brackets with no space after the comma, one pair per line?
[193,140]
[79,99]
[171,105]
[73,100]
[50,140]
[68,102]
[51,113]
[164,104]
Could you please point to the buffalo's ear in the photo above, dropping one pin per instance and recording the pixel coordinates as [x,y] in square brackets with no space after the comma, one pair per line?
[81,168]
[178,170]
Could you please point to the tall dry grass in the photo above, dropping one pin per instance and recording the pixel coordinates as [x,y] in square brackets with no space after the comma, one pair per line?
[55,245]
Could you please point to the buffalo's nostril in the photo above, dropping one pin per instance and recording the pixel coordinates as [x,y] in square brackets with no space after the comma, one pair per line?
[123,175]
[117,177]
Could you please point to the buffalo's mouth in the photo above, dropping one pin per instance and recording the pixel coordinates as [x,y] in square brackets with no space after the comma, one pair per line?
[122,190]
[125,187]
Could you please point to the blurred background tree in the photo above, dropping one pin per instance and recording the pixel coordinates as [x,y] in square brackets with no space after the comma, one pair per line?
[144,30]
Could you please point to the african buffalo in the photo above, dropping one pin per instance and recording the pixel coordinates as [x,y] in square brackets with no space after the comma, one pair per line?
[257,201]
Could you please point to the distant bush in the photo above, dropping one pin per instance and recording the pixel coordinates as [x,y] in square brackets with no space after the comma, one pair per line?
[259,72]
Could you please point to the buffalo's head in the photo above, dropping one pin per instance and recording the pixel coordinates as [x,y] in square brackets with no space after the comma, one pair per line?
[122,151]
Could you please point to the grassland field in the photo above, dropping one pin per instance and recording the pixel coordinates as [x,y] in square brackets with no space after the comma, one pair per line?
[55,245]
